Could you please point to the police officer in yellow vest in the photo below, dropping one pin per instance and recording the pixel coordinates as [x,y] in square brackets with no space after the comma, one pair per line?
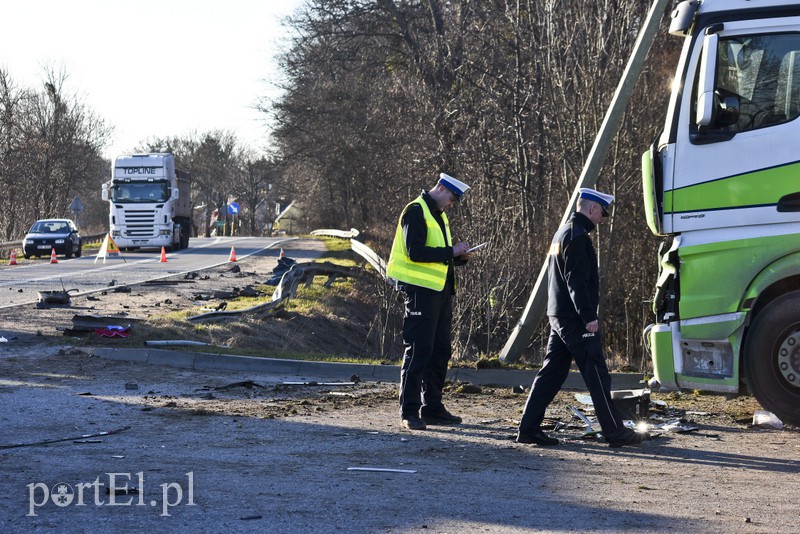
[422,261]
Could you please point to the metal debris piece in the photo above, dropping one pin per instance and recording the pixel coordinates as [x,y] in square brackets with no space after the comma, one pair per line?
[766,419]
[678,426]
[54,297]
[382,469]
[579,415]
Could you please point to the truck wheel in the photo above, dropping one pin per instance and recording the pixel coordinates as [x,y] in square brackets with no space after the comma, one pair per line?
[772,357]
[185,229]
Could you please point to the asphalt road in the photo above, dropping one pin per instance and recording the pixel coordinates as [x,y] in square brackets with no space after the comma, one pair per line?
[19,284]
[229,451]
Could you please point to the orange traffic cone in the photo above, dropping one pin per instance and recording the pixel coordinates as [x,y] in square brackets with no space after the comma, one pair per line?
[13,260]
[282,254]
[53,256]
[163,255]
[233,255]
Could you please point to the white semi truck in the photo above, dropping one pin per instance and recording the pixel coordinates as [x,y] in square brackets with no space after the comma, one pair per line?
[722,185]
[150,202]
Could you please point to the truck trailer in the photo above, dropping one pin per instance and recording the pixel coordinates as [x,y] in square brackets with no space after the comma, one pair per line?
[150,202]
[722,186]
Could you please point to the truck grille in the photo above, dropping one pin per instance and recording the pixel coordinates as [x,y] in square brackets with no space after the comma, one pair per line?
[139,223]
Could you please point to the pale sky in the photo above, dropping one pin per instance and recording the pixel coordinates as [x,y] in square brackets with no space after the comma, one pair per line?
[152,67]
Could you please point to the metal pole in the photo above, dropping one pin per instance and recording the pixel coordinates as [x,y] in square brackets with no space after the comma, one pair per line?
[537,303]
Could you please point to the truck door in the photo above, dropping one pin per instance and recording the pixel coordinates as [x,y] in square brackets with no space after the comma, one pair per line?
[736,158]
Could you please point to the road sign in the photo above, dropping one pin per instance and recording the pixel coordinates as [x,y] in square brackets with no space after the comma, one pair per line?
[77,205]
[233,208]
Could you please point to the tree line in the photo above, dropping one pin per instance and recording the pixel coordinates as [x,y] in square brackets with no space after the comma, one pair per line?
[380,96]
[51,146]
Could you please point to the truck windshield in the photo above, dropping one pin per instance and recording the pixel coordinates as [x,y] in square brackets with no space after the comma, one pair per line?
[757,81]
[140,192]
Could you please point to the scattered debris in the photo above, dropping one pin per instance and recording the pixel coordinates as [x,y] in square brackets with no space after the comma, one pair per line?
[284,264]
[249,384]
[633,404]
[469,389]
[679,426]
[55,297]
[518,390]
[765,419]
[131,385]
[382,469]
[88,323]
[579,415]
[113,331]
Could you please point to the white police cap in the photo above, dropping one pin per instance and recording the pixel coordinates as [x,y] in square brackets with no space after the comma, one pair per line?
[604,199]
[456,186]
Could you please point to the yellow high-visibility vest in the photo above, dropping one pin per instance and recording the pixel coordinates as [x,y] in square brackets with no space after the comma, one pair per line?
[423,274]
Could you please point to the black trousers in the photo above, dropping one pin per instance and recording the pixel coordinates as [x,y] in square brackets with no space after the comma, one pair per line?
[427,329]
[569,340]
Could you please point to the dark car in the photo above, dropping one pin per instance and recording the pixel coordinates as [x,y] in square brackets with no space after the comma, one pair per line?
[48,234]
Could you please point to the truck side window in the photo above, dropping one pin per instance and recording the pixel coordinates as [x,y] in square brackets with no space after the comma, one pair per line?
[757,83]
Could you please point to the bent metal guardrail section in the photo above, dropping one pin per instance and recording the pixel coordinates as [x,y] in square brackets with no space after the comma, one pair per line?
[305,273]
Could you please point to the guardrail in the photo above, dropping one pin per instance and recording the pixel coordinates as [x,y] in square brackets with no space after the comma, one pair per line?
[305,273]
[7,246]
[344,234]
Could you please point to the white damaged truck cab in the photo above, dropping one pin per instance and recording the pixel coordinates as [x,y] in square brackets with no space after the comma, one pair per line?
[722,185]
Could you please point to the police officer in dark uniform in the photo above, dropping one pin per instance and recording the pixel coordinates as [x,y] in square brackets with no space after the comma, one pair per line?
[422,261]
[572,301]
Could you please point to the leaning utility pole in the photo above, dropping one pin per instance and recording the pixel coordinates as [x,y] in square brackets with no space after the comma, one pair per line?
[537,303]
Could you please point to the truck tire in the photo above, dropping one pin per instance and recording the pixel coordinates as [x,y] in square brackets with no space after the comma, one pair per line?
[772,357]
[185,231]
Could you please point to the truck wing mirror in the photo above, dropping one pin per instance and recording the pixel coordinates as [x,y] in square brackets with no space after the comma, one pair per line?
[682,17]
[176,193]
[104,192]
[705,91]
